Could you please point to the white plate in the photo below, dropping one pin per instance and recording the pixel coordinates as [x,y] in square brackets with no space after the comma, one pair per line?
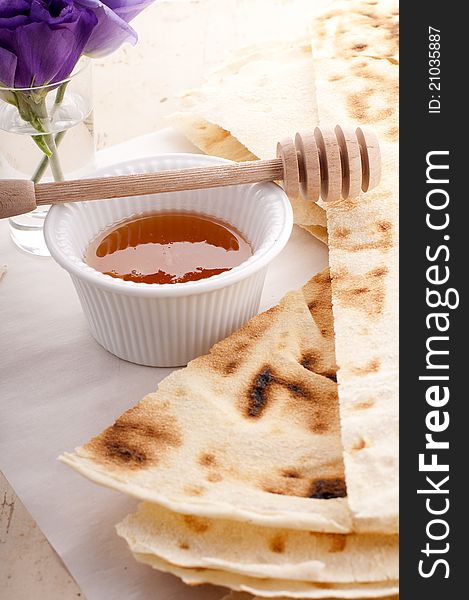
[59,387]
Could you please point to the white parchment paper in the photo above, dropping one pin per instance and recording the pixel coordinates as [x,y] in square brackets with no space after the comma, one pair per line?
[58,388]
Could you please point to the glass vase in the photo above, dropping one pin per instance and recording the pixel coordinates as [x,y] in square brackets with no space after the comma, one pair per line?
[46,134]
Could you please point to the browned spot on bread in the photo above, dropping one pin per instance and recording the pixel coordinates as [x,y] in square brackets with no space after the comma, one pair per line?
[312,397]
[325,489]
[315,402]
[139,438]
[214,477]
[196,524]
[361,107]
[207,459]
[359,47]
[277,544]
[365,293]
[359,445]
[337,542]
[194,490]
[380,238]
[297,390]
[326,485]
[384,226]
[392,134]
[335,77]
[323,277]
[341,232]
[321,413]
[370,367]
[183,546]
[240,345]
[314,361]
[291,473]
[227,359]
[258,393]
[357,106]
[324,586]
[231,367]
[379,271]
[272,490]
[319,301]
[311,360]
[363,404]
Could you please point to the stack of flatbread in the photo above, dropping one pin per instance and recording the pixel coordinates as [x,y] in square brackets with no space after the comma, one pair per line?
[269,466]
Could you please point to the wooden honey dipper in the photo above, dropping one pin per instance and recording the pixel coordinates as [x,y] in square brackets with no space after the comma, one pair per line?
[330,163]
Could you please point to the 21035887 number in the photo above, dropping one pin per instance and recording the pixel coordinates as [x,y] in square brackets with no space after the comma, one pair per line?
[434,63]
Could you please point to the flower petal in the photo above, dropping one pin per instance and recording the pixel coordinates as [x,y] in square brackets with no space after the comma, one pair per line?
[128,9]
[13,22]
[12,8]
[110,32]
[40,54]
[47,54]
[7,68]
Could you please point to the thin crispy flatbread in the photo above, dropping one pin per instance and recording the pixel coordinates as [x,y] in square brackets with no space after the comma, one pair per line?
[363,28]
[246,596]
[241,106]
[248,95]
[360,90]
[248,432]
[363,256]
[247,549]
[210,138]
[272,588]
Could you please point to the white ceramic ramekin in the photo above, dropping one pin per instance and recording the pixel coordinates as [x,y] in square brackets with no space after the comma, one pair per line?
[168,325]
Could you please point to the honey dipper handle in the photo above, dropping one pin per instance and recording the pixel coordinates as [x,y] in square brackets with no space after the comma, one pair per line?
[17,197]
[161,181]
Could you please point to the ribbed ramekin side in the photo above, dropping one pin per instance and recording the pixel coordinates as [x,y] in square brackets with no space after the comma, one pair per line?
[167,332]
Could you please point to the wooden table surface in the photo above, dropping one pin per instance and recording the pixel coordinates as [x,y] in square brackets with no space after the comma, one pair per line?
[29,567]
[179,41]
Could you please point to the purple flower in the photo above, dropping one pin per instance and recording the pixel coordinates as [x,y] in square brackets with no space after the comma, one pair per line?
[113,27]
[42,40]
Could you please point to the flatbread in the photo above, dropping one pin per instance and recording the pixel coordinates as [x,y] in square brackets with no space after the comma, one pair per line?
[364,266]
[210,138]
[248,95]
[239,113]
[272,588]
[364,28]
[246,596]
[360,90]
[246,549]
[318,231]
[248,432]
[363,256]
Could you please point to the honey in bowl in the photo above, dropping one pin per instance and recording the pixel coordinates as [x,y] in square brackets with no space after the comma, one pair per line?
[168,248]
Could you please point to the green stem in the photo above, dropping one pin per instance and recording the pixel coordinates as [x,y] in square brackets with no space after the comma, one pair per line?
[45,124]
[42,167]
[59,97]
